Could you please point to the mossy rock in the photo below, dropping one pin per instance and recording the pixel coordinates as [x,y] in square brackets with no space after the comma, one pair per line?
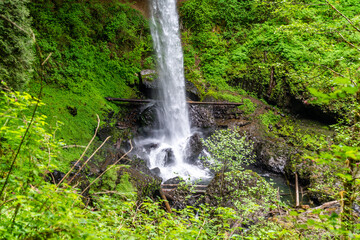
[145,185]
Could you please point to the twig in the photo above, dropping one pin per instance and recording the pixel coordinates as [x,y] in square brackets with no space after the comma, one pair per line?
[107,192]
[297,202]
[348,42]
[73,146]
[15,214]
[235,226]
[83,165]
[46,59]
[82,155]
[329,69]
[109,168]
[10,200]
[347,19]
[201,229]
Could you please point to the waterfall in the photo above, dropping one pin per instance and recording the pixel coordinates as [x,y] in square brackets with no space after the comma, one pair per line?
[170,143]
[165,32]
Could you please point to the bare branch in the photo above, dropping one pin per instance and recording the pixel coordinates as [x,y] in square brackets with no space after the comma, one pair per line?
[339,74]
[46,59]
[109,168]
[31,33]
[348,42]
[347,19]
[73,146]
[82,155]
[83,165]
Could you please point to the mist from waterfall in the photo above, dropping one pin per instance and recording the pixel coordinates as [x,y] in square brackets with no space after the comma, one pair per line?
[170,141]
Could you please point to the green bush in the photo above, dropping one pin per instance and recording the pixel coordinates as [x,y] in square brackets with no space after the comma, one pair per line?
[16,43]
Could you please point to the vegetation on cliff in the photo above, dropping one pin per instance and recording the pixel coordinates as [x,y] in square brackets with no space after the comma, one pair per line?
[59,59]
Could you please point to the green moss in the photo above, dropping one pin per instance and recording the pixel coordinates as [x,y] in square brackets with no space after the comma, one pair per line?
[119,184]
[97,52]
[249,107]
[126,188]
[269,118]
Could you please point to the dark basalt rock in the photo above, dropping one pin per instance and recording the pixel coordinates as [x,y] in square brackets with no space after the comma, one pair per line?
[147,117]
[143,179]
[175,180]
[201,116]
[169,158]
[104,132]
[274,156]
[191,91]
[55,176]
[147,82]
[194,148]
[156,171]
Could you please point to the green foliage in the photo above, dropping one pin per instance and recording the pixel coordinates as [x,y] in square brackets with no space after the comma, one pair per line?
[15,112]
[229,150]
[119,189]
[32,208]
[16,42]
[269,118]
[98,48]
[248,107]
[278,50]
[249,193]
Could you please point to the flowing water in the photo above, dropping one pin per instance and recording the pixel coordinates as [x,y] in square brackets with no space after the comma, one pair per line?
[169,143]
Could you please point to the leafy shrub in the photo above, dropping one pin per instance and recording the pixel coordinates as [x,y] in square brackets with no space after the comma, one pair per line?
[16,45]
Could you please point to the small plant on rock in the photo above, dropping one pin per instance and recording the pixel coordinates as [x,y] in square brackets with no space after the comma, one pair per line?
[232,185]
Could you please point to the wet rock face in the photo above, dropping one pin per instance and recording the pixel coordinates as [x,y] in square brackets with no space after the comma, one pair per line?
[194,148]
[169,158]
[147,82]
[175,180]
[191,91]
[272,155]
[156,171]
[201,116]
[147,117]
[146,184]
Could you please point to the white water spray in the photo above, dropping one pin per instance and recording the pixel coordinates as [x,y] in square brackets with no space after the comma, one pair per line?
[171,139]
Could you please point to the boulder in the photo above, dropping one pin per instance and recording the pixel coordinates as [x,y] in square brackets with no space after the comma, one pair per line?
[147,117]
[193,148]
[241,191]
[147,82]
[191,91]
[169,158]
[175,180]
[274,156]
[156,171]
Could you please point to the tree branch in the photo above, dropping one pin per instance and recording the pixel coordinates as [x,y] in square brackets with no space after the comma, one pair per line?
[347,19]
[348,42]
[109,168]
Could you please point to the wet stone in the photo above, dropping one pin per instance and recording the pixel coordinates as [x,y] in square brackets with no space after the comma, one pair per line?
[156,171]
[194,148]
[169,158]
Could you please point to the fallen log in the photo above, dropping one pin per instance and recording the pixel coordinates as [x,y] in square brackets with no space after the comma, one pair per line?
[167,205]
[140,101]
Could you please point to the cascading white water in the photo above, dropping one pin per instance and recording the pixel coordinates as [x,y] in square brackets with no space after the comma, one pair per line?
[165,33]
[171,139]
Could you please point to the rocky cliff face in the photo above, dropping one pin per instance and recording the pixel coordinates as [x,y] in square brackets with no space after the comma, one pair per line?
[143,6]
